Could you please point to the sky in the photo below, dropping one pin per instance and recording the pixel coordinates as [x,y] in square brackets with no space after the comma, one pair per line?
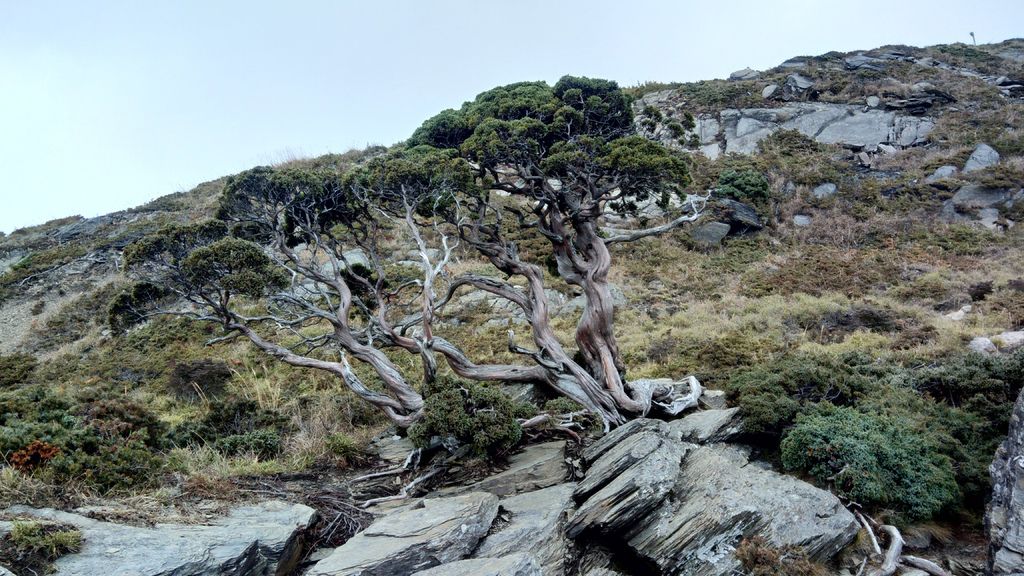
[105,105]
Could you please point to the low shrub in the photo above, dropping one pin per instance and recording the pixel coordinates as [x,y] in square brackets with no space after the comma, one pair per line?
[467,413]
[31,547]
[263,444]
[16,368]
[875,460]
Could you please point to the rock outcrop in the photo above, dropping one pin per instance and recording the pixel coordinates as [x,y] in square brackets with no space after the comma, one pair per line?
[534,522]
[1004,519]
[260,540]
[432,532]
[739,130]
[682,508]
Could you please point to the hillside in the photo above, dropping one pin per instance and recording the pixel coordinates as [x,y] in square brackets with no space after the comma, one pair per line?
[856,289]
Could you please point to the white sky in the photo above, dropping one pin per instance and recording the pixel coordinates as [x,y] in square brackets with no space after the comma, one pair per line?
[105,105]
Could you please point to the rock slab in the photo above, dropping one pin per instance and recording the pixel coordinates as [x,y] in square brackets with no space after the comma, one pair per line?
[259,540]
[1004,517]
[435,531]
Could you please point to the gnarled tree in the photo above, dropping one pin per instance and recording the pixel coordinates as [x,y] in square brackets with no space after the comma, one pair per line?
[571,152]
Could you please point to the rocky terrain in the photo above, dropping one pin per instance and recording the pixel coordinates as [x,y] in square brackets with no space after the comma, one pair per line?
[852,302]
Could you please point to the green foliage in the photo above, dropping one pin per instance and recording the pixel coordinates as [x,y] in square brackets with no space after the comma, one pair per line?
[225,418]
[129,307]
[233,266]
[32,546]
[16,368]
[743,185]
[469,413]
[260,443]
[872,459]
[344,446]
[105,443]
[771,395]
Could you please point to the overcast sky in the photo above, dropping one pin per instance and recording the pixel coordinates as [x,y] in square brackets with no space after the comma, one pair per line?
[105,105]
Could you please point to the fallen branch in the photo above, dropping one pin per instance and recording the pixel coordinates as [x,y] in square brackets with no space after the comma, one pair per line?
[871,534]
[892,554]
[922,564]
[406,490]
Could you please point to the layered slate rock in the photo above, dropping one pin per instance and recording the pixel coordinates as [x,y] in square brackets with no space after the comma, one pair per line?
[682,508]
[519,564]
[708,426]
[631,472]
[534,521]
[718,500]
[1004,519]
[259,540]
[434,532]
[536,467]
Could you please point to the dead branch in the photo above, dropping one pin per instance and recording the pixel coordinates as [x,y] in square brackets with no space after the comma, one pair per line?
[922,564]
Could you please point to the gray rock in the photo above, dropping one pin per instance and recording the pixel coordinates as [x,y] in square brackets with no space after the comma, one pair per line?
[538,466]
[718,500]
[1009,341]
[357,257]
[858,61]
[982,157]
[797,86]
[392,449]
[826,190]
[745,74]
[710,233]
[741,217]
[941,173]
[982,345]
[518,564]
[975,196]
[801,220]
[874,101]
[5,572]
[535,523]
[258,540]
[435,531]
[708,426]
[1004,516]
[770,91]
[712,399]
[627,482]
[520,392]
[678,505]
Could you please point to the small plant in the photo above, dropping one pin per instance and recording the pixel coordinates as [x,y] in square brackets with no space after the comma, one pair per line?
[743,185]
[264,444]
[33,546]
[469,413]
[33,456]
[759,558]
[16,369]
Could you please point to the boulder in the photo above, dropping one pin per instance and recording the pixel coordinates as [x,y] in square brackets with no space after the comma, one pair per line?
[682,508]
[538,466]
[826,190]
[1004,516]
[982,157]
[873,101]
[740,217]
[861,61]
[941,173]
[801,220]
[257,540]
[718,500]
[975,196]
[628,481]
[434,531]
[1009,341]
[576,304]
[712,399]
[960,314]
[518,564]
[392,449]
[710,234]
[770,91]
[708,426]
[982,345]
[533,521]
[745,74]
[797,87]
